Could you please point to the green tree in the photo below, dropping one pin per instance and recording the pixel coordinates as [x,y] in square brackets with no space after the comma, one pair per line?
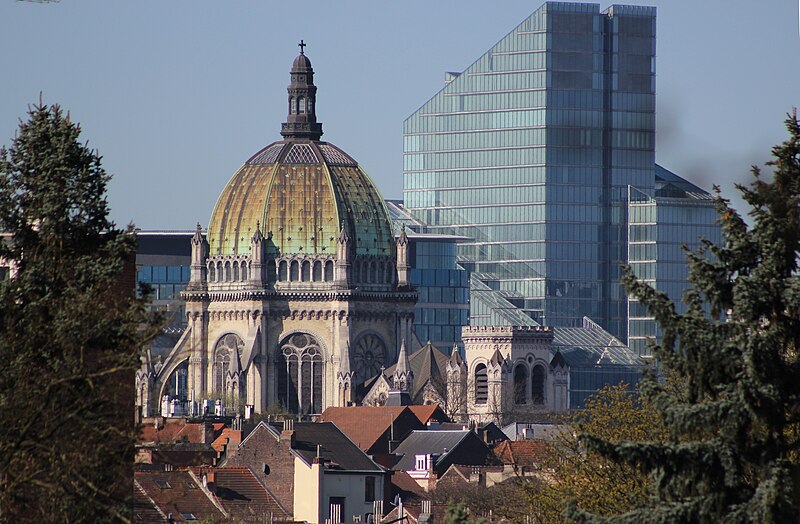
[591,481]
[731,452]
[70,332]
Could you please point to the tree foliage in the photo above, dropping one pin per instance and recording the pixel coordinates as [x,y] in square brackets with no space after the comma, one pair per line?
[731,455]
[70,332]
[591,481]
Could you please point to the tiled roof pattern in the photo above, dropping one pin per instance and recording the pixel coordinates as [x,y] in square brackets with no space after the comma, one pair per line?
[363,424]
[427,363]
[144,511]
[176,430]
[301,154]
[242,495]
[406,487]
[336,449]
[303,201]
[426,442]
[428,412]
[521,452]
[268,155]
[335,156]
[183,495]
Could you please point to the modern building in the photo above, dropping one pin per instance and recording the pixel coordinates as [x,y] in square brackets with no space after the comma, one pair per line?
[531,150]
[660,229]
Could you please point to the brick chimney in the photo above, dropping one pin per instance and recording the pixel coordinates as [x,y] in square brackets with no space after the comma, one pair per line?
[287,435]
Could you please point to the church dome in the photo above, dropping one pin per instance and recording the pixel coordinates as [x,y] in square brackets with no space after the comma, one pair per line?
[300,192]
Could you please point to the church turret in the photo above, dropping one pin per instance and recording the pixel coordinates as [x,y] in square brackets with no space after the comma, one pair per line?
[345,378]
[257,245]
[301,122]
[402,260]
[342,278]
[197,275]
[403,376]
[456,403]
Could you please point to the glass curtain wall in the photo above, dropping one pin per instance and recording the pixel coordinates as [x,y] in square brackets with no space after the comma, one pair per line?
[529,151]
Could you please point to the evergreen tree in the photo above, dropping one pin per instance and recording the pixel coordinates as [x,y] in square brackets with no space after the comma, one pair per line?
[70,331]
[732,451]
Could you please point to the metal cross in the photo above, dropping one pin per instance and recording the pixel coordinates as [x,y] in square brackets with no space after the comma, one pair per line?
[302,45]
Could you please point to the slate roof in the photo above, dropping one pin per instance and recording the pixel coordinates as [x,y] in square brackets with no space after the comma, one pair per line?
[427,363]
[174,492]
[427,442]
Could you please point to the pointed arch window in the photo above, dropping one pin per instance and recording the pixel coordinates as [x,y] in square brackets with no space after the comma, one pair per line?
[211,272]
[520,384]
[537,385]
[300,374]
[235,271]
[481,384]
[227,349]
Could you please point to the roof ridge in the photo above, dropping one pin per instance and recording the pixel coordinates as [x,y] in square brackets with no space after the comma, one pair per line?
[148,497]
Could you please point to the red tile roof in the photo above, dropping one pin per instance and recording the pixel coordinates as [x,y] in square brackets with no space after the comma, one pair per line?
[243,496]
[177,430]
[173,492]
[521,452]
[364,425]
[429,413]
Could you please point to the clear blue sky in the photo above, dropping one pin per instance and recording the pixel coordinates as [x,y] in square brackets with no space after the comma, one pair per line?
[176,95]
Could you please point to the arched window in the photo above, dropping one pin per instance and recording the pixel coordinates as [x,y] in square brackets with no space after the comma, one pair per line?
[300,371]
[211,273]
[306,272]
[294,271]
[271,271]
[481,384]
[235,271]
[329,271]
[227,271]
[520,384]
[291,105]
[226,350]
[282,271]
[317,275]
[244,271]
[537,385]
[301,105]
[220,275]
[177,385]
[372,273]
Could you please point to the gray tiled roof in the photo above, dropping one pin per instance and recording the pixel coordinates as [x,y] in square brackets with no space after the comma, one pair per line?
[427,442]
[335,447]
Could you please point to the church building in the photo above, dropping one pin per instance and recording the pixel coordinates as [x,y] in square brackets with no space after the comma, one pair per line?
[299,291]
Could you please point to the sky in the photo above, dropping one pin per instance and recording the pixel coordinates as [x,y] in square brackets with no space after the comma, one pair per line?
[177,95]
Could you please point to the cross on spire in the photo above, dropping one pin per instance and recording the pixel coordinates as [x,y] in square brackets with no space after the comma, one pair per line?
[301,45]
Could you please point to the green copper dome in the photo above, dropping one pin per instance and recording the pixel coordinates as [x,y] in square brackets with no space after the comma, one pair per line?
[302,192]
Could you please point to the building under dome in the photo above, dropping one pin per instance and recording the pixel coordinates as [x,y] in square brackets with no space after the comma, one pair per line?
[299,291]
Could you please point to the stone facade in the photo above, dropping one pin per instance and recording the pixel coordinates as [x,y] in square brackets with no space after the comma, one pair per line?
[509,372]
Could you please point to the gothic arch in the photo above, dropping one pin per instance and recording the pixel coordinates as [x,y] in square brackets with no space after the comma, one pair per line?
[300,368]
[227,348]
[520,383]
[480,381]
[538,380]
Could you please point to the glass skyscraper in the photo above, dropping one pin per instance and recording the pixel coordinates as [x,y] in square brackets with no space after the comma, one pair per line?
[659,227]
[530,152]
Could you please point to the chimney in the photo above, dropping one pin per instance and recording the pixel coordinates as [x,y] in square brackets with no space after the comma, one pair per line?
[288,432]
